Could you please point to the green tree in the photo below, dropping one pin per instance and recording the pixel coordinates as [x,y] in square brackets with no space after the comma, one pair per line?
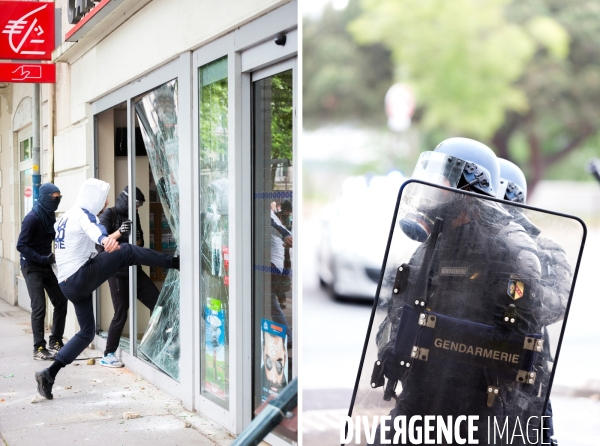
[342,80]
[558,133]
[214,123]
[461,57]
[520,76]
[281,116]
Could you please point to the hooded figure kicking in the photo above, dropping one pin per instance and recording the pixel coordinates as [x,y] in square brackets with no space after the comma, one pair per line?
[81,269]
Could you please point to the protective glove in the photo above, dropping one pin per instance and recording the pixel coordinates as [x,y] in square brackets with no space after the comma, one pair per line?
[49,259]
[125,228]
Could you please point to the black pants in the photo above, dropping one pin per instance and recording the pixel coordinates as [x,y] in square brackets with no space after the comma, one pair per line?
[78,289]
[147,293]
[39,278]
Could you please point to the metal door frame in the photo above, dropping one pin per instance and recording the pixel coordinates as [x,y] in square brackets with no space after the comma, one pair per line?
[178,68]
[248,49]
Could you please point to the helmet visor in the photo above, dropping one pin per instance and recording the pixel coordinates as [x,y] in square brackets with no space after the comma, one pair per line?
[439,168]
[514,193]
[446,170]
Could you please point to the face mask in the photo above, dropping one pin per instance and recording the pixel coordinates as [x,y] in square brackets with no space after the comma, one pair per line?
[427,203]
[417,227]
[53,203]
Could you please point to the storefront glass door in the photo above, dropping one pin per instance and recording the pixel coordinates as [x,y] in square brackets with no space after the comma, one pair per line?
[157,113]
[273,242]
[213,88]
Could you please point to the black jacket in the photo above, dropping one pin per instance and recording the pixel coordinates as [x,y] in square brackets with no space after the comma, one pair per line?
[112,221]
[113,218]
[467,278]
[34,241]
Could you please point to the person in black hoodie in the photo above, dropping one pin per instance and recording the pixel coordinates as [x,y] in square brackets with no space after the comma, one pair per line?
[35,247]
[118,226]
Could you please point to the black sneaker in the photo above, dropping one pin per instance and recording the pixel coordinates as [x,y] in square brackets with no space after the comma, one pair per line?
[55,347]
[41,354]
[45,383]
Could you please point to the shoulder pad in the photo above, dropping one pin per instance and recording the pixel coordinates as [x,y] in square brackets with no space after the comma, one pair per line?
[554,257]
[529,264]
[517,237]
[549,244]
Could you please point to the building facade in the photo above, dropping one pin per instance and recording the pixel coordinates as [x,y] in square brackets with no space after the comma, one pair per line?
[194,103]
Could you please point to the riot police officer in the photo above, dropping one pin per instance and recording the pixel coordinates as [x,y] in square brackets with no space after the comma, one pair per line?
[475,282]
[556,271]
[553,258]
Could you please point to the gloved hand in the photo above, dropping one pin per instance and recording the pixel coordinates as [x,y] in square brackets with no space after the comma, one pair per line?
[49,259]
[125,228]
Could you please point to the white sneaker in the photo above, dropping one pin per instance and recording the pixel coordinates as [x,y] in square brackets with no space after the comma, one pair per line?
[111,360]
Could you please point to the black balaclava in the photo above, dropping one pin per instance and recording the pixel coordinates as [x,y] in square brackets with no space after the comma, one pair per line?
[121,204]
[46,206]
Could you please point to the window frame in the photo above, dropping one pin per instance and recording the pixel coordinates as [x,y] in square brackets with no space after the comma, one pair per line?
[24,135]
[179,69]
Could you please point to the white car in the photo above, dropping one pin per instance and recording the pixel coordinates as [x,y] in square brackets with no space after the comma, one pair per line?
[355,228]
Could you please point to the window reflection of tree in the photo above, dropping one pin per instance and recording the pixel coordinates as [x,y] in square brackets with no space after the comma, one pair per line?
[214,218]
[213,128]
[281,123]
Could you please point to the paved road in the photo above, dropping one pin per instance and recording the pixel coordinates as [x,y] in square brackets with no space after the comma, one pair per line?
[333,336]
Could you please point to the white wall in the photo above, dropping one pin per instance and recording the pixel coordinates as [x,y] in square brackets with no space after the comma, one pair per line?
[13,117]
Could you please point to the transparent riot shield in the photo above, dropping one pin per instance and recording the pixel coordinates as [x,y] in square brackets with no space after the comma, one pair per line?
[469,321]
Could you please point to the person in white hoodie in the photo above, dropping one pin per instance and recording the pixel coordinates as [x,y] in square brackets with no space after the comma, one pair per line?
[81,269]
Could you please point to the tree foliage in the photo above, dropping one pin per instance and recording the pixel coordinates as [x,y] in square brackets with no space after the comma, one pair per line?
[281,116]
[461,57]
[521,76]
[214,123]
[563,94]
[342,80]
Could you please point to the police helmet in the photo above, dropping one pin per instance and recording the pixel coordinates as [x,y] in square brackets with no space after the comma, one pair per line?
[513,185]
[481,172]
[459,163]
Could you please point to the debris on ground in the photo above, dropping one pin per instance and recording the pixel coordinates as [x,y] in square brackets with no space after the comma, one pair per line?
[130,415]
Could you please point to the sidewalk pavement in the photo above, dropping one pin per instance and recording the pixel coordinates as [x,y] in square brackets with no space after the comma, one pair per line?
[89,401]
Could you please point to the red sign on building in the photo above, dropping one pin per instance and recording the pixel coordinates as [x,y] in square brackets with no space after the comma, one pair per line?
[28,72]
[26,30]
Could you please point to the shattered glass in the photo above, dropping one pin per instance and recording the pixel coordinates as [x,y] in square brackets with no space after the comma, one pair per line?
[214,231]
[157,114]
[468,316]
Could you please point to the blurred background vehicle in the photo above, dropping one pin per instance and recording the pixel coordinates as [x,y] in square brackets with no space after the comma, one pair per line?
[349,265]
[523,78]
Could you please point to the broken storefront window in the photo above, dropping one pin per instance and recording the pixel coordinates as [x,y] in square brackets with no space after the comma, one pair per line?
[157,114]
[214,230]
